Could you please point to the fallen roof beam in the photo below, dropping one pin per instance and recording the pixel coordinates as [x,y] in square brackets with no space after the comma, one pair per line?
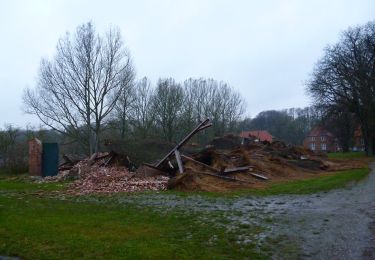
[225,177]
[200,163]
[237,169]
[200,127]
[259,176]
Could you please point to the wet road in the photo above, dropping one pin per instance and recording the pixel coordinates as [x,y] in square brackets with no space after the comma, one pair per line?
[339,224]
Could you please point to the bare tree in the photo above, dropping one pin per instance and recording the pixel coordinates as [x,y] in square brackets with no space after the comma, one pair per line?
[345,77]
[12,150]
[235,108]
[123,109]
[142,113]
[80,86]
[167,105]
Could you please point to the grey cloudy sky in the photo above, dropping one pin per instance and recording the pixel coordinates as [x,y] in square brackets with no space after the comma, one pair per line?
[264,49]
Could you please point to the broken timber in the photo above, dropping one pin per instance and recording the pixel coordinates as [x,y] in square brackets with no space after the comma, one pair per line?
[179,162]
[218,175]
[200,163]
[225,177]
[237,169]
[203,125]
[258,176]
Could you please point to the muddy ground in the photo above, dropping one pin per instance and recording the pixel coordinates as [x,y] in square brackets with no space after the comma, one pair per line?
[339,224]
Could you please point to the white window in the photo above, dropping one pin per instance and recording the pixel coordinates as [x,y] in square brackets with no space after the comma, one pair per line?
[323,146]
[312,138]
[312,146]
[322,138]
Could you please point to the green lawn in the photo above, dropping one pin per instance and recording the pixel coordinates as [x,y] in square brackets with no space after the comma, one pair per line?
[321,183]
[348,155]
[50,229]
[43,227]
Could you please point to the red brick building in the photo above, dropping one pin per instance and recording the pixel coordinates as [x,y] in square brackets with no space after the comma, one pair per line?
[259,135]
[321,140]
[359,142]
[35,157]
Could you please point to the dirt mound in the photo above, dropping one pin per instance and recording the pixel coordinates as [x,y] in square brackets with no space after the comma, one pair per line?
[226,142]
[198,181]
[221,170]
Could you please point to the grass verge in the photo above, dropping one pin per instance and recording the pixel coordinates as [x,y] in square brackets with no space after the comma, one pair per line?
[20,184]
[348,155]
[318,184]
[34,228]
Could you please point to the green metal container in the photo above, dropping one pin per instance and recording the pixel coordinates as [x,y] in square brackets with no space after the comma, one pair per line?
[50,159]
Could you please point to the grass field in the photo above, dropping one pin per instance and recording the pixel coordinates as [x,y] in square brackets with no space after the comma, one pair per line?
[321,183]
[51,229]
[38,223]
[45,228]
[348,155]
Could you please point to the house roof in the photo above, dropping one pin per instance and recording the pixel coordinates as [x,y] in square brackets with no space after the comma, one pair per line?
[319,131]
[260,134]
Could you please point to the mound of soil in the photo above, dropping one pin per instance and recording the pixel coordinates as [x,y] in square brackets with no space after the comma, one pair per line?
[226,142]
[276,161]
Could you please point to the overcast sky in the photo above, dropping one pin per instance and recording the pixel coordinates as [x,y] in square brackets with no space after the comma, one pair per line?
[264,49]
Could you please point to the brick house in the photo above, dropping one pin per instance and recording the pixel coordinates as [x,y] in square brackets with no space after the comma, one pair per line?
[259,135]
[359,142]
[321,140]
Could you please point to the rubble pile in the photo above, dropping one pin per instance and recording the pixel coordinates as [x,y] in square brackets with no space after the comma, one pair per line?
[105,173]
[115,179]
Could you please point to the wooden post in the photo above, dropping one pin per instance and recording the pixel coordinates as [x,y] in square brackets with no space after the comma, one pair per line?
[179,162]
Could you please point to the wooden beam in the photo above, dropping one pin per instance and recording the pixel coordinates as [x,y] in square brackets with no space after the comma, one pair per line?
[205,126]
[258,176]
[183,141]
[200,163]
[225,177]
[237,169]
[179,162]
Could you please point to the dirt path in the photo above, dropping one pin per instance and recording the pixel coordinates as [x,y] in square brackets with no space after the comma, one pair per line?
[339,224]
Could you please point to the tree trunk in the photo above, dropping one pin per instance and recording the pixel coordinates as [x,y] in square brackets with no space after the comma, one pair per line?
[371,147]
[345,146]
[123,126]
[97,140]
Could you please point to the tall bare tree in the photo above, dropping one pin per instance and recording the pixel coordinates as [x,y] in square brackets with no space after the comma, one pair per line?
[167,105]
[345,77]
[123,109]
[142,113]
[12,151]
[79,87]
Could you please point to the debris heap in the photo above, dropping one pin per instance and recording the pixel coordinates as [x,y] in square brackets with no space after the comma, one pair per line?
[250,165]
[106,173]
[114,179]
[227,163]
